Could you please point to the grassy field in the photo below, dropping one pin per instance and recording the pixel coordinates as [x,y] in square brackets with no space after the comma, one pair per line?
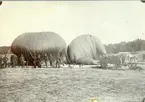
[71,85]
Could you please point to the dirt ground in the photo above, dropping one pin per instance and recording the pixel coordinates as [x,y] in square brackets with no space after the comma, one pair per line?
[71,85]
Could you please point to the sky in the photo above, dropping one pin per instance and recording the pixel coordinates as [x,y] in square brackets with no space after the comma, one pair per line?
[110,21]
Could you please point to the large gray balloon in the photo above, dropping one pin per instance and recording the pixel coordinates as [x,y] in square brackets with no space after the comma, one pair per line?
[85,49]
[29,44]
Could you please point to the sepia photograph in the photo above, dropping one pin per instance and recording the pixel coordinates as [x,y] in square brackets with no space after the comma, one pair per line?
[72,51]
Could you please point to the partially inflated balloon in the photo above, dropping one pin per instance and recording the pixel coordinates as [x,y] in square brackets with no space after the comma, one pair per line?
[85,49]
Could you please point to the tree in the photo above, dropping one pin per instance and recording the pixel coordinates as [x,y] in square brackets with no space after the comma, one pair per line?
[131,46]
[143,45]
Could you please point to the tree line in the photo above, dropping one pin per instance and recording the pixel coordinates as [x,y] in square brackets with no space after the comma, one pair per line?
[130,46]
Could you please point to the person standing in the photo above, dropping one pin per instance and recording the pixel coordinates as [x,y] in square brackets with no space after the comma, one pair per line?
[51,59]
[103,61]
[38,60]
[34,61]
[14,61]
[58,60]
[118,62]
[45,59]
[1,62]
[11,60]
[5,61]
[75,60]
[22,61]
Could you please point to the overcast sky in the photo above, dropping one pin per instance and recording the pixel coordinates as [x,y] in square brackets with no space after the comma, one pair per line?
[110,21]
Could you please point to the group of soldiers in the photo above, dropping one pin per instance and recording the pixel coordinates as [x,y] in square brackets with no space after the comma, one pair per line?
[55,61]
[4,61]
[118,61]
[105,60]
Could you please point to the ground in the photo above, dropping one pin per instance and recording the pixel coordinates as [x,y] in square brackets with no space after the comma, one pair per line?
[71,85]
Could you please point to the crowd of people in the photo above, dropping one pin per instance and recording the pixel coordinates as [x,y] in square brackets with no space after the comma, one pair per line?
[54,61]
[38,59]
[117,61]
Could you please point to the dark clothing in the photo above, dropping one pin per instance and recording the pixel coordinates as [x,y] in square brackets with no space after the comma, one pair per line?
[45,57]
[50,62]
[51,58]
[1,62]
[5,61]
[118,62]
[34,61]
[37,61]
[103,62]
[45,60]
[58,61]
[22,61]
[14,61]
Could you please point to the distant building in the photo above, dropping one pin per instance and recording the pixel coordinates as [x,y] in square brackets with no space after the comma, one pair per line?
[6,50]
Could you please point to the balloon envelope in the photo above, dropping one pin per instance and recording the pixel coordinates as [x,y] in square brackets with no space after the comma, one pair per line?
[85,49]
[32,43]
